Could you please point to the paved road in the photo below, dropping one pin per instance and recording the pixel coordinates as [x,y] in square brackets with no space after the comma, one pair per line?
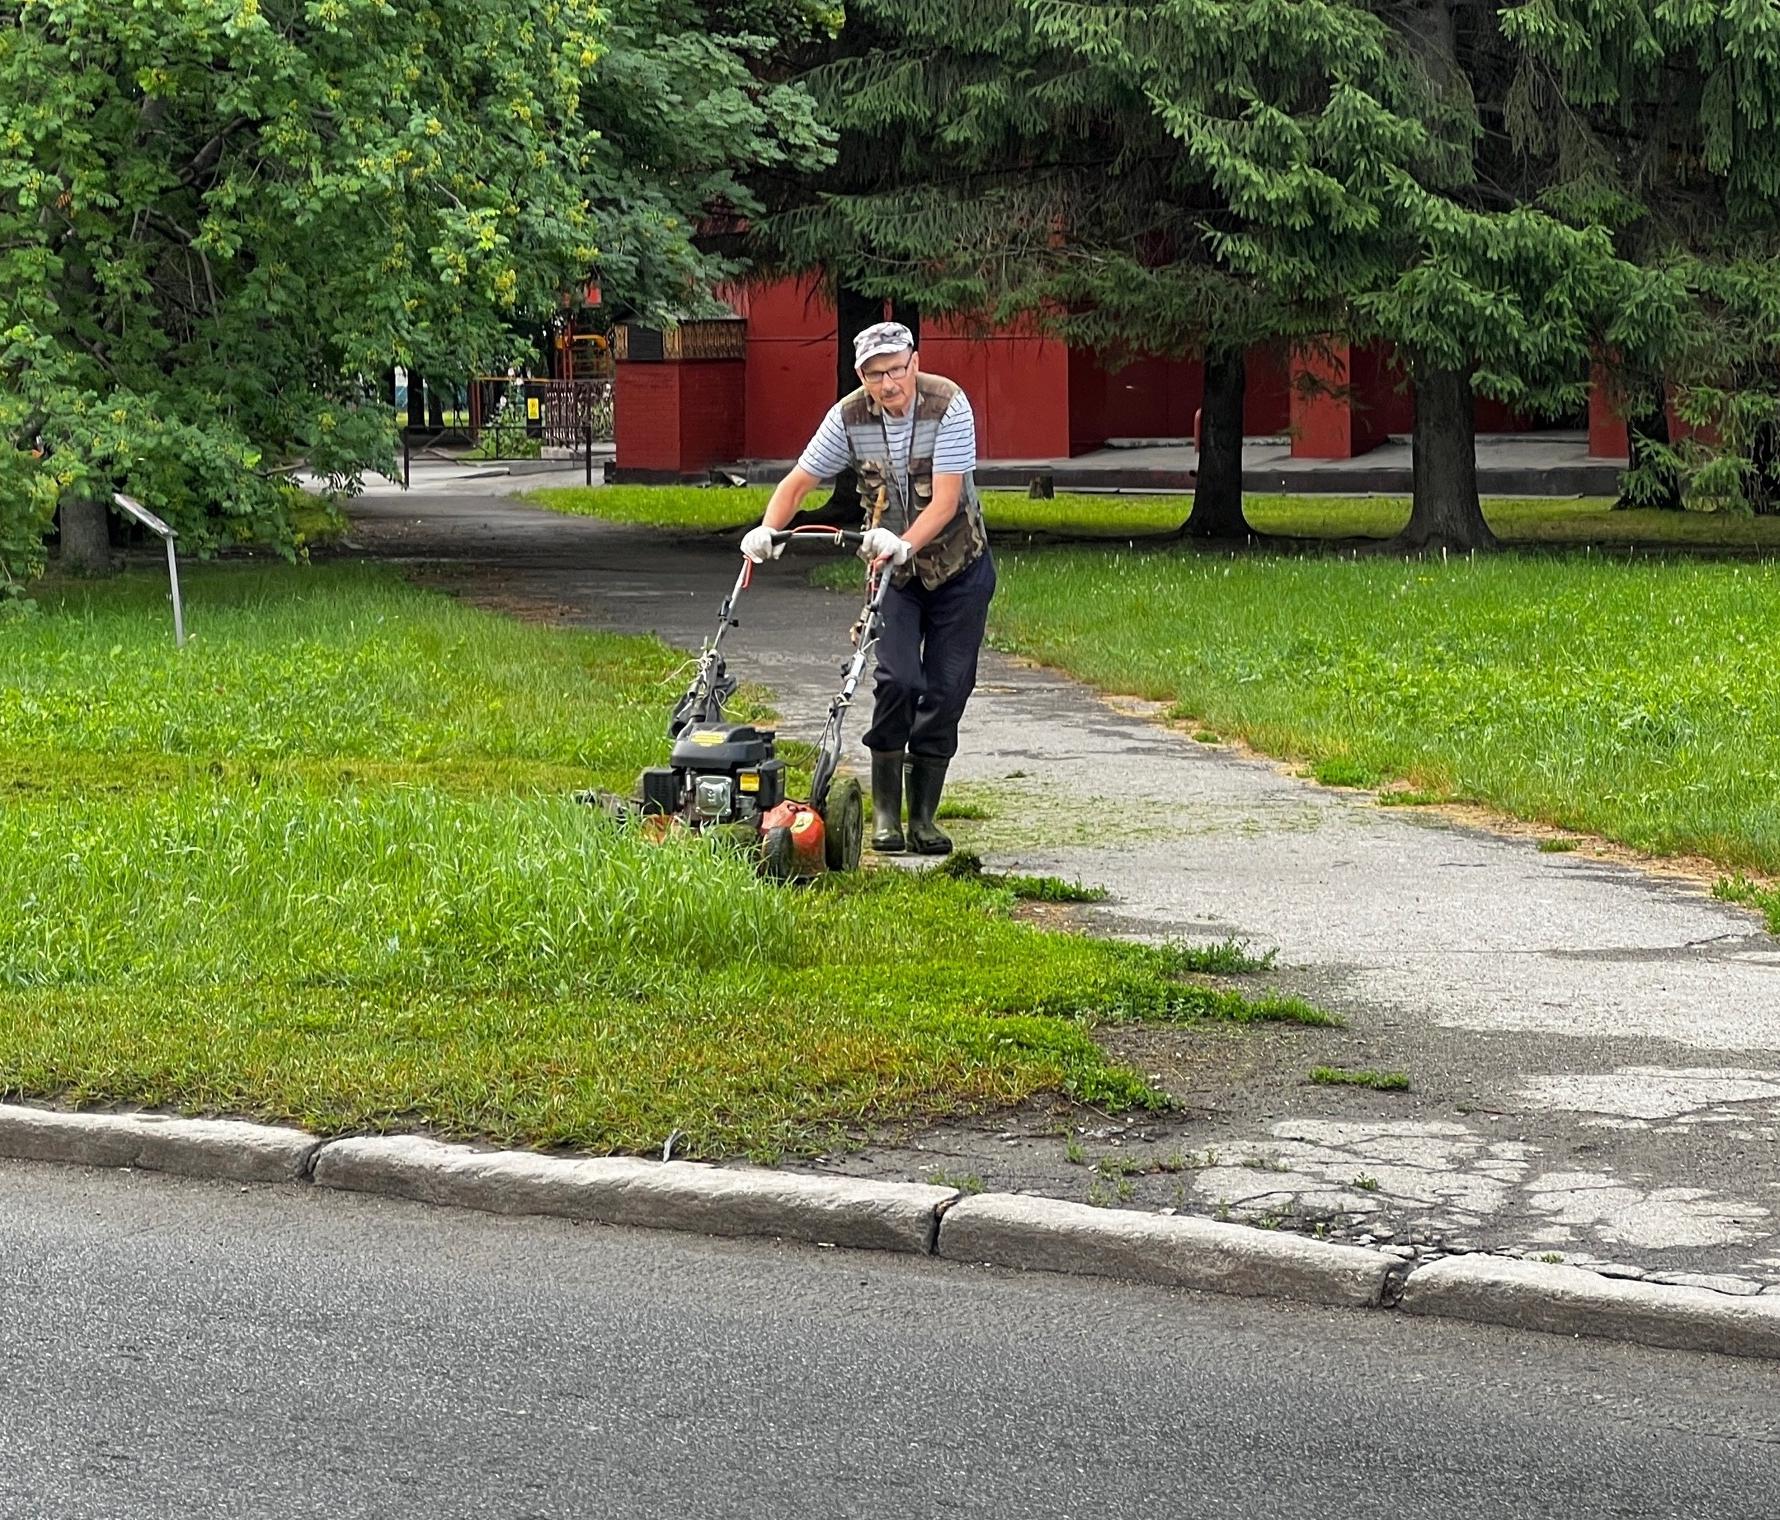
[176,1348]
[1594,1050]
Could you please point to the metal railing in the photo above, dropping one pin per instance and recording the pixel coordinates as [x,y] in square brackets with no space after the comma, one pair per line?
[516,433]
[556,412]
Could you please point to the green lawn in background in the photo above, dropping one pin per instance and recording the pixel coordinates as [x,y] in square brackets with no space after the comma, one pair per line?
[1635,700]
[323,866]
[1540,520]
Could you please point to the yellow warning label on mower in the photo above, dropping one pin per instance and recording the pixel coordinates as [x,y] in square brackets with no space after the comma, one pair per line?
[708,737]
[748,781]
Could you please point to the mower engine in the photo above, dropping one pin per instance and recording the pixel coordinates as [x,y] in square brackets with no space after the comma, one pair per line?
[717,773]
[725,779]
[727,775]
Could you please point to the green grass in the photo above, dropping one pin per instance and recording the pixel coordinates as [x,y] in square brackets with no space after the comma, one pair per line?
[1012,515]
[1228,957]
[964,1182]
[322,867]
[1740,889]
[1636,701]
[966,812]
[969,867]
[1378,1081]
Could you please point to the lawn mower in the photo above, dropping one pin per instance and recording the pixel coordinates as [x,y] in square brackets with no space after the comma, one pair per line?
[726,778]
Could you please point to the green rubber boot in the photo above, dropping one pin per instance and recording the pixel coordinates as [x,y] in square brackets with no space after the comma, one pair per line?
[886,802]
[925,780]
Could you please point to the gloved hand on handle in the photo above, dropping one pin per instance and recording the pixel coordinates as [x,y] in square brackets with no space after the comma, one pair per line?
[758,545]
[881,543]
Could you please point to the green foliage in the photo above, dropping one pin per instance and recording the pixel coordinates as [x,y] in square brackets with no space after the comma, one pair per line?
[1664,117]
[1079,166]
[222,221]
[684,116]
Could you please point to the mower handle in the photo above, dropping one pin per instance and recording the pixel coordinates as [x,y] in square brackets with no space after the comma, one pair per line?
[839,538]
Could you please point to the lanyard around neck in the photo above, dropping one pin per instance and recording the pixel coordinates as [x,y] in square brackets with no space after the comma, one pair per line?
[908,458]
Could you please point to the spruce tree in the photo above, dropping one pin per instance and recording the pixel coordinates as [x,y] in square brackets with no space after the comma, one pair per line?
[1667,118]
[1188,176]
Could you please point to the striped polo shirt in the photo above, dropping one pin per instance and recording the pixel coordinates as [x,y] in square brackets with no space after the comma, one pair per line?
[954,450]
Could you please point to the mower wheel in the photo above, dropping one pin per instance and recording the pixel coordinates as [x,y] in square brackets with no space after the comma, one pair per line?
[843,824]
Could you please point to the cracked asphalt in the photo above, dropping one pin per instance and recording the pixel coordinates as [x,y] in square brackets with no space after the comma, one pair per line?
[1592,1043]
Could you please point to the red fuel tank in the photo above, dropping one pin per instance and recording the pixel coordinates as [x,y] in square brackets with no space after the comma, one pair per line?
[791,841]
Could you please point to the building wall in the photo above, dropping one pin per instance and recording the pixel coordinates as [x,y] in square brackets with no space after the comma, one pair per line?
[790,366]
[1037,399]
[1018,388]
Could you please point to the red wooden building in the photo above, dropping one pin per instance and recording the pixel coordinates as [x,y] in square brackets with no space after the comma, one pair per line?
[754,388]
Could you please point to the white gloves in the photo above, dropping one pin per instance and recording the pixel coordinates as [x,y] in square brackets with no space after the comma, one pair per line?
[758,545]
[881,543]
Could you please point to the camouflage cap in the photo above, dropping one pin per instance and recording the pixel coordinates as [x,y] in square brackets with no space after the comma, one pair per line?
[881,338]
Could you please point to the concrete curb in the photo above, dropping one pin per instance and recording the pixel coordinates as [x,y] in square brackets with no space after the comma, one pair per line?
[223,1148]
[1177,1251]
[998,1229]
[1527,1295]
[673,1195]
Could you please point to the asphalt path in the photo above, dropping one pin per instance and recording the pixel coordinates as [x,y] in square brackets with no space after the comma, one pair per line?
[1594,1049]
[173,1348]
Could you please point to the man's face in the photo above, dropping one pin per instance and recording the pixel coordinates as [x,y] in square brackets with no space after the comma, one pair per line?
[890,378]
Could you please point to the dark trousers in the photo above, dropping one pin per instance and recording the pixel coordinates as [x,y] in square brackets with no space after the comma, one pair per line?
[927,661]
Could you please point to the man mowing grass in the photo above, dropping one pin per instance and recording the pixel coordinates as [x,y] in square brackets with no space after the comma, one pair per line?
[912,440]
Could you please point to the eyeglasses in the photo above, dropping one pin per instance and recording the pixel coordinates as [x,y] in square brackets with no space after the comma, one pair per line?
[879,376]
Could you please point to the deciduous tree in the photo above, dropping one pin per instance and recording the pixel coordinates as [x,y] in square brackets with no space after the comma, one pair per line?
[222,220]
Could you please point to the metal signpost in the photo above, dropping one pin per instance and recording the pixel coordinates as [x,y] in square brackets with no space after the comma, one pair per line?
[148,520]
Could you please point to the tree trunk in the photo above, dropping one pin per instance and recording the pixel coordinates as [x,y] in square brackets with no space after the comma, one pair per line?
[86,535]
[1446,513]
[854,312]
[435,409]
[1647,428]
[416,401]
[1217,487]
[1761,480]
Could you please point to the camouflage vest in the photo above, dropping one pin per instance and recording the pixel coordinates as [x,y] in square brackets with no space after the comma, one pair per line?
[963,539]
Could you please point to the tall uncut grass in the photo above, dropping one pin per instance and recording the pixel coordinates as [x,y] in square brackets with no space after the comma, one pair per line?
[406,887]
[324,865]
[1634,699]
